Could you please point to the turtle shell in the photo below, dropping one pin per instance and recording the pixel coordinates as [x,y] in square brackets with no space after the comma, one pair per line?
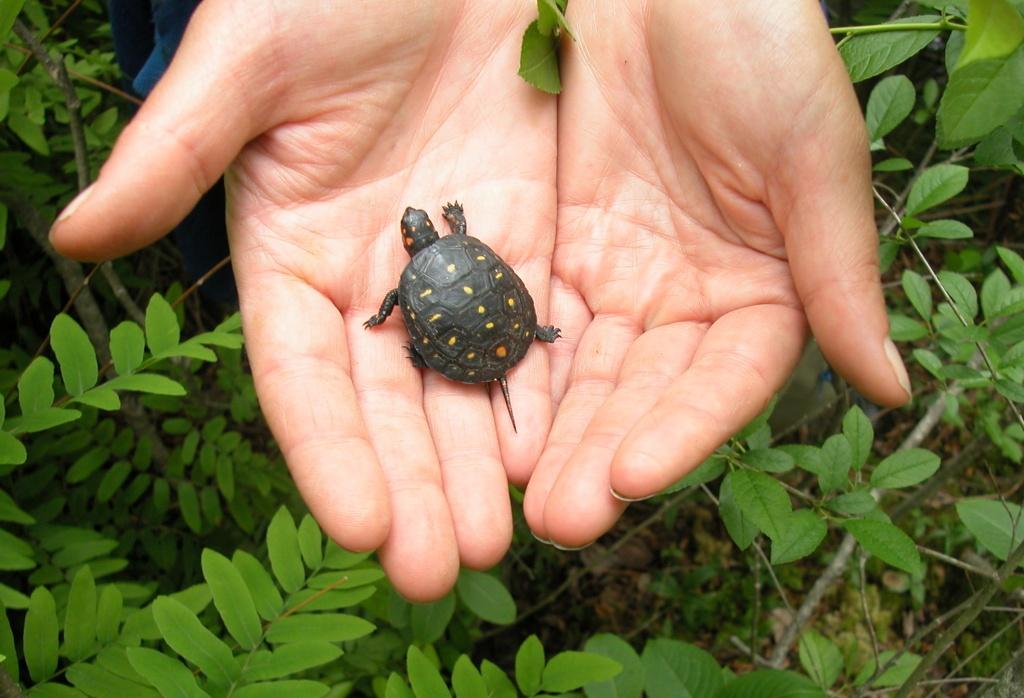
[469,315]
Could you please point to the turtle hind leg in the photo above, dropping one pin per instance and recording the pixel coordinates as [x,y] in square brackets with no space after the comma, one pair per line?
[548,333]
[503,382]
[414,356]
[455,217]
[386,306]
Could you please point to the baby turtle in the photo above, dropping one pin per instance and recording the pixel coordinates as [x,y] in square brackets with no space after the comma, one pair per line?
[469,315]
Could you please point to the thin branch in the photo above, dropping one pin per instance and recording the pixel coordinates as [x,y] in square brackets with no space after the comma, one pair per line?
[981,648]
[864,607]
[59,75]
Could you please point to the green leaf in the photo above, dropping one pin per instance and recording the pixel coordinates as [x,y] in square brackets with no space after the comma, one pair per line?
[466,680]
[995,290]
[12,452]
[761,499]
[188,501]
[180,629]
[39,642]
[861,435]
[918,293]
[108,614]
[486,596]
[152,383]
[550,16]
[112,480]
[30,133]
[891,101]
[821,659]
[425,678]
[311,543]
[998,526]
[868,55]
[293,688]
[429,621]
[853,503]
[265,595]
[771,683]
[904,329]
[538,60]
[166,674]
[324,627]
[994,29]
[283,548]
[80,617]
[9,10]
[769,460]
[232,598]
[162,331]
[9,511]
[936,184]
[893,165]
[397,688]
[837,459]
[1014,263]
[101,398]
[740,528]
[944,229]
[5,82]
[886,542]
[290,659]
[630,682]
[980,97]
[961,291]
[498,683]
[75,354]
[530,665]
[35,386]
[98,681]
[7,647]
[894,676]
[676,669]
[801,535]
[567,671]
[127,346]
[905,468]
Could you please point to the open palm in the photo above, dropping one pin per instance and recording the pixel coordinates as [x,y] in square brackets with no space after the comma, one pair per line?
[329,124]
[713,197]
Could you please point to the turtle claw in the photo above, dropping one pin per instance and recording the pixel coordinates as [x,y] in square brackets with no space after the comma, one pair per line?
[455,216]
[414,356]
[548,333]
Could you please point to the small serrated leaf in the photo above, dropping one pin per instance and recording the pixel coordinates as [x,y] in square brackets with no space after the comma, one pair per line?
[538,60]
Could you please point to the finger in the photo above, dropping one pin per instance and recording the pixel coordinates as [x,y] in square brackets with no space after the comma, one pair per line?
[296,343]
[475,484]
[596,365]
[420,555]
[826,214]
[580,506]
[189,129]
[745,357]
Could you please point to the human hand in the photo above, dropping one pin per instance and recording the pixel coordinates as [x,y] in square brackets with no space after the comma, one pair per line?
[329,123]
[713,198]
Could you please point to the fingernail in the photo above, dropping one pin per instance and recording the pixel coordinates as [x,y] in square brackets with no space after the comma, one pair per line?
[893,354]
[628,500]
[75,203]
[569,549]
[539,539]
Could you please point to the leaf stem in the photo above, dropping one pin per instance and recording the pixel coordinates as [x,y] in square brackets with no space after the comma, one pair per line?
[941,25]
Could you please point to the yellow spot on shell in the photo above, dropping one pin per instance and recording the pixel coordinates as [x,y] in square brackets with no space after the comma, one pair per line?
[451,267]
[489,325]
[515,326]
[527,333]
[424,294]
[481,258]
[452,341]
[435,316]
[480,309]
[468,290]
[412,228]
[412,316]
[471,373]
[428,223]
[408,240]
[511,302]
[426,341]
[471,355]
[498,275]
[501,351]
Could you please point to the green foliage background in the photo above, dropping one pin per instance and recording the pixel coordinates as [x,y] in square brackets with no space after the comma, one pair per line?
[151,542]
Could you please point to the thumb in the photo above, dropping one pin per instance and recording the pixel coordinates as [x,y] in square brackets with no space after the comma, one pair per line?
[832,245]
[185,135]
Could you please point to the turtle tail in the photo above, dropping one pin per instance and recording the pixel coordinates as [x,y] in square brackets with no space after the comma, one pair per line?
[508,402]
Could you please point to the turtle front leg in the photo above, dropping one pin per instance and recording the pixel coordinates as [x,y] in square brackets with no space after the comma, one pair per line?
[414,356]
[455,217]
[548,333]
[385,309]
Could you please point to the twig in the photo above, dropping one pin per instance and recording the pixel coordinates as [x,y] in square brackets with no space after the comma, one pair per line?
[60,77]
[981,648]
[976,605]
[864,607]
[121,293]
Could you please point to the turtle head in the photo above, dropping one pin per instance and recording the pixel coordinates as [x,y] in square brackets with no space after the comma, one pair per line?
[417,231]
